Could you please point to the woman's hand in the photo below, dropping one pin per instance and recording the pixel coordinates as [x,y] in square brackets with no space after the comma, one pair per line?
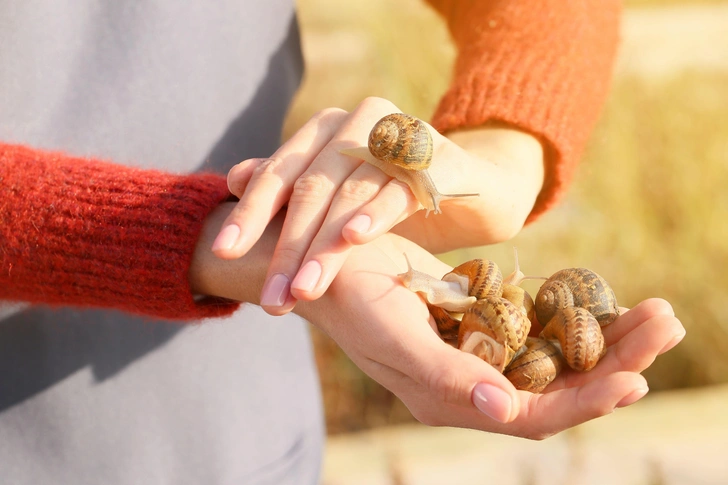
[387,331]
[335,201]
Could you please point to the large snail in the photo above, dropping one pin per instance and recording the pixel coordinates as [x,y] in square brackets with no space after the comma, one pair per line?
[491,317]
[401,146]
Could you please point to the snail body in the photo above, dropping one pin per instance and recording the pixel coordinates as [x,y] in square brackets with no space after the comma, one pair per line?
[401,146]
[577,287]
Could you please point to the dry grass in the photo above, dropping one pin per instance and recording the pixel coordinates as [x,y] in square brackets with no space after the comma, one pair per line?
[648,209]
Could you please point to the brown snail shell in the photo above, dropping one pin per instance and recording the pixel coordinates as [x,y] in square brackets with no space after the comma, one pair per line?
[447,325]
[535,367]
[402,140]
[493,329]
[578,287]
[401,146]
[578,336]
[484,278]
[520,297]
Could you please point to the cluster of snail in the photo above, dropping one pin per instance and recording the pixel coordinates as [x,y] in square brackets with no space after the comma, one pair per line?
[482,313]
[474,307]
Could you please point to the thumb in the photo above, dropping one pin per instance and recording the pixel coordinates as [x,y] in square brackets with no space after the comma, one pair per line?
[461,378]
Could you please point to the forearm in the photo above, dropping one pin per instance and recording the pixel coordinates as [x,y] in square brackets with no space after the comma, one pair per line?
[88,233]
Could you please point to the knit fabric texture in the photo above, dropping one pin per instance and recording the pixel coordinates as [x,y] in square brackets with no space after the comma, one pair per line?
[541,66]
[88,233]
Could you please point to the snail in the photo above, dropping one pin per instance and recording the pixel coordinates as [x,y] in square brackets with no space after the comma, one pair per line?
[578,336]
[535,367]
[491,317]
[578,287]
[573,305]
[493,329]
[401,146]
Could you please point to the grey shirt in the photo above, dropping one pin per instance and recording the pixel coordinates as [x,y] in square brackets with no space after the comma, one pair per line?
[89,396]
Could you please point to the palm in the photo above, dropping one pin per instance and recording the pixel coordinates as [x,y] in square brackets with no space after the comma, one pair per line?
[386,330]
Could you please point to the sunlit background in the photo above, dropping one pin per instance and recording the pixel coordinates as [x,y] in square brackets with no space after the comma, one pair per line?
[647,210]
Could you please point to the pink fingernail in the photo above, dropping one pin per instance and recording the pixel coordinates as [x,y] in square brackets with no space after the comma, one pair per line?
[275,291]
[227,238]
[492,401]
[308,276]
[632,397]
[360,223]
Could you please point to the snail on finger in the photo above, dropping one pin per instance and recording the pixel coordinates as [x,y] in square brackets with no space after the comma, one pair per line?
[401,146]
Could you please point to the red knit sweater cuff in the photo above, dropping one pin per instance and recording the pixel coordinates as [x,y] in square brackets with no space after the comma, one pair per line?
[542,67]
[87,233]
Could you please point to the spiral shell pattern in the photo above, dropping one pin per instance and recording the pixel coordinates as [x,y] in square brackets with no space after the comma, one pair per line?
[402,140]
[536,367]
[578,287]
[484,277]
[578,335]
[493,329]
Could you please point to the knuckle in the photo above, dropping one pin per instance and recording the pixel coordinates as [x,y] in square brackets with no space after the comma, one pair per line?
[377,103]
[267,166]
[288,255]
[327,113]
[357,190]
[443,383]
[311,185]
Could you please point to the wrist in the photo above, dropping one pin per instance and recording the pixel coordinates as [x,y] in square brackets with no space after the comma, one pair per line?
[238,279]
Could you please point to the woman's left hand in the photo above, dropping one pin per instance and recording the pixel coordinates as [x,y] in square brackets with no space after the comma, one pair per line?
[335,201]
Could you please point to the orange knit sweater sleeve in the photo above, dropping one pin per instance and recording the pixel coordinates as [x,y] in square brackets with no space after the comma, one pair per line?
[89,233]
[543,66]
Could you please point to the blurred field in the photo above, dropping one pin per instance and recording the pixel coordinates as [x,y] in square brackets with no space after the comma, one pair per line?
[648,209]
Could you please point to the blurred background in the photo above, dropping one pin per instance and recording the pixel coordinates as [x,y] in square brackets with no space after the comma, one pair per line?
[648,209]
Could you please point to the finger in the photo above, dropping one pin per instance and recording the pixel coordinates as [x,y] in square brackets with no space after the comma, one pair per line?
[635,352]
[629,320]
[314,191]
[239,176]
[329,249]
[539,415]
[268,184]
[543,415]
[394,203]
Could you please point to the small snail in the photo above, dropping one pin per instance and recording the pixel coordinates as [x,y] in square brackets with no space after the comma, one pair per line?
[493,329]
[577,287]
[535,367]
[491,317]
[577,334]
[401,146]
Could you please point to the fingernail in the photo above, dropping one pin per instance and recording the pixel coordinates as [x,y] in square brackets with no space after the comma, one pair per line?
[227,238]
[633,397]
[675,340]
[492,401]
[308,277]
[360,223]
[275,291]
